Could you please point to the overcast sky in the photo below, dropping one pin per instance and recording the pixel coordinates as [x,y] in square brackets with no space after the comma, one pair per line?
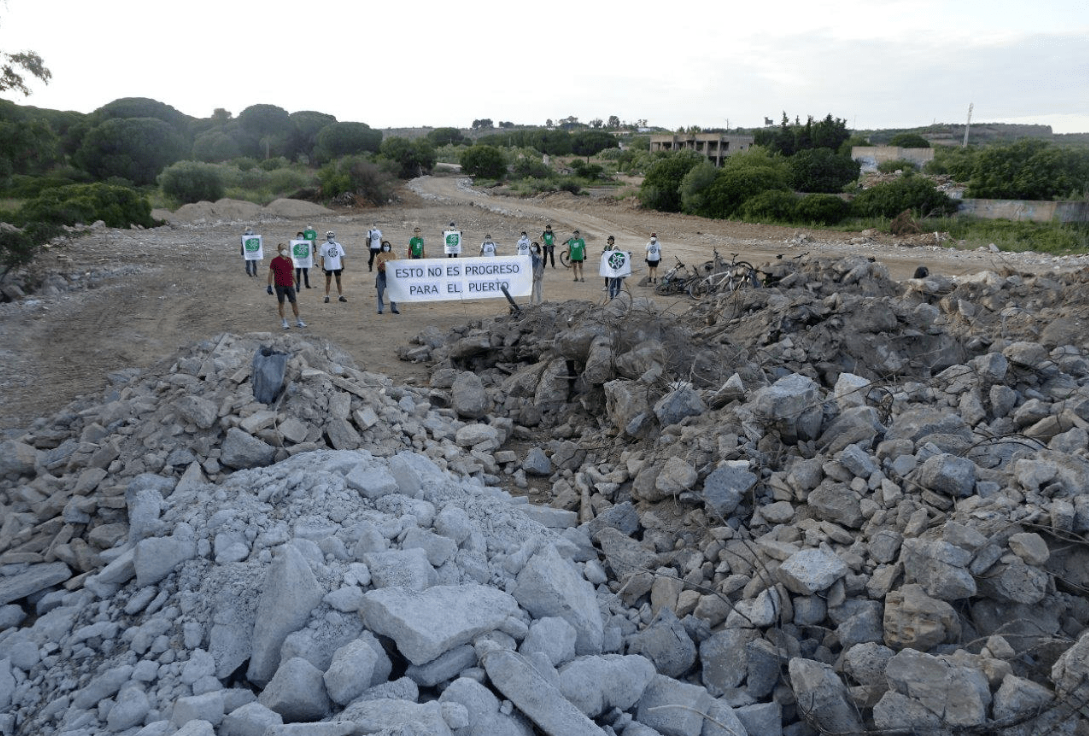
[875,63]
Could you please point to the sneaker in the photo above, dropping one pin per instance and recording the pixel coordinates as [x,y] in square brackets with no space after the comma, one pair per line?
[286,325]
[395,311]
[575,279]
[326,300]
[300,323]
[341,299]
[583,280]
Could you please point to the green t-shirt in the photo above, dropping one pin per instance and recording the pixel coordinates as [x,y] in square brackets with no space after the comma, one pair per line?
[549,238]
[416,247]
[577,248]
[310,235]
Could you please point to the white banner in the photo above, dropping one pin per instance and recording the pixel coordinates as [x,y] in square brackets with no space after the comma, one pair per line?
[302,253]
[615,264]
[451,242]
[251,248]
[445,279]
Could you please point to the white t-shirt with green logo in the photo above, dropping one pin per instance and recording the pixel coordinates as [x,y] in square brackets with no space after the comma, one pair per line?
[251,248]
[451,242]
[302,252]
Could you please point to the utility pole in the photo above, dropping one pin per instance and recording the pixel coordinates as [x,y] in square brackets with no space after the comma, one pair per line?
[968,125]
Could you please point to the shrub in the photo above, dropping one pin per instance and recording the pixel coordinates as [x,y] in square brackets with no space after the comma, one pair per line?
[356,175]
[484,161]
[87,203]
[26,187]
[272,164]
[18,247]
[822,170]
[822,209]
[346,139]
[660,189]
[134,148]
[529,167]
[733,186]
[897,164]
[771,206]
[694,187]
[909,140]
[192,181]
[411,158]
[215,146]
[914,193]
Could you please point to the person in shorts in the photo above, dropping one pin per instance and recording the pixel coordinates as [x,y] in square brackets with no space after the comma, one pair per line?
[576,251]
[374,240]
[281,274]
[332,263]
[654,257]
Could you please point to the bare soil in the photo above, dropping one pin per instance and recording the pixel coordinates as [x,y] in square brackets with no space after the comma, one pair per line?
[143,294]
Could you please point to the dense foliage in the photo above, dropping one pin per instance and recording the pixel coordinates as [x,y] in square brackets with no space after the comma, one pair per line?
[1030,169]
[192,181]
[484,161]
[822,170]
[915,193]
[660,189]
[909,140]
[789,138]
[412,157]
[358,176]
[134,149]
[346,139]
[117,206]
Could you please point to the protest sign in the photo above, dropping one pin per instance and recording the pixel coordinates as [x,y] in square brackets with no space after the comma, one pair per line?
[302,253]
[615,264]
[445,279]
[251,248]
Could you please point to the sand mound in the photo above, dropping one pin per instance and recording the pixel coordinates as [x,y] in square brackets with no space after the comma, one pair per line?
[234,210]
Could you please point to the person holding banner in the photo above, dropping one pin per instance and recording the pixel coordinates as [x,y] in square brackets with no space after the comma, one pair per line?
[302,253]
[487,248]
[538,264]
[549,240]
[332,263]
[251,251]
[523,245]
[416,246]
[280,272]
[615,265]
[576,251]
[386,254]
[451,240]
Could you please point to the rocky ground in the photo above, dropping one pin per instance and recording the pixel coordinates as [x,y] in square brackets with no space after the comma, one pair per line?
[851,502]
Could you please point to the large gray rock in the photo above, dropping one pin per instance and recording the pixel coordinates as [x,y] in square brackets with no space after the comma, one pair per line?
[517,679]
[17,459]
[468,397]
[426,623]
[288,596]
[197,410]
[914,619]
[250,719]
[665,643]
[724,658]
[241,450]
[36,578]
[549,585]
[350,672]
[822,698]
[551,636]
[393,716]
[625,401]
[939,567]
[958,694]
[401,568]
[809,571]
[726,486]
[597,684]
[675,476]
[678,404]
[786,399]
[156,557]
[673,708]
[297,692]
[954,476]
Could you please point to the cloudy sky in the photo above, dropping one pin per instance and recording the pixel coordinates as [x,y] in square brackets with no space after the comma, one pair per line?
[875,63]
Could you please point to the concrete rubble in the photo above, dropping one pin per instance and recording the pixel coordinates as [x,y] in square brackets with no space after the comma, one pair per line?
[840,504]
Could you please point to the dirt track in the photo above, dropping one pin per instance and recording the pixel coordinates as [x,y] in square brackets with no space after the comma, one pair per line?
[154,291]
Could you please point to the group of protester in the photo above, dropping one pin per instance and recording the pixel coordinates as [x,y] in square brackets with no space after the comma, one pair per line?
[289,271]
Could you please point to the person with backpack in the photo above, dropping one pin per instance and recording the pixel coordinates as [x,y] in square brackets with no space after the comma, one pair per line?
[654,257]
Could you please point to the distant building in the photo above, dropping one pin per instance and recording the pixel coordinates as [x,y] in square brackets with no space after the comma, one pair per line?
[715,146]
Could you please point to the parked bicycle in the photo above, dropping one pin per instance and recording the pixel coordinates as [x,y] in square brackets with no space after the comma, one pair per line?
[729,277]
[676,280]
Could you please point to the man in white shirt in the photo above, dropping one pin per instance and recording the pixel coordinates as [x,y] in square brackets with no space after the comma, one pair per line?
[523,244]
[332,263]
[487,248]
[654,257]
[374,240]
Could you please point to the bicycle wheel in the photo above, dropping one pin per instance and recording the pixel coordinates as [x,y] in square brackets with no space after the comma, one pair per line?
[742,276]
[565,259]
[663,287]
[699,288]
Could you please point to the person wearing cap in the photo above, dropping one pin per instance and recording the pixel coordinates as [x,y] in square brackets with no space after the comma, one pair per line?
[416,245]
[332,263]
[451,241]
[374,239]
[654,257]
[523,245]
[576,251]
[487,248]
[281,273]
[548,238]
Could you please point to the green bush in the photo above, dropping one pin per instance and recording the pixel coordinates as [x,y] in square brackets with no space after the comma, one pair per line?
[733,186]
[271,164]
[822,209]
[822,170]
[909,140]
[897,164]
[1010,235]
[192,181]
[358,176]
[18,247]
[26,187]
[695,185]
[529,167]
[487,162]
[87,203]
[956,161]
[915,193]
[214,146]
[346,139]
[771,206]
[411,158]
[661,186]
[136,149]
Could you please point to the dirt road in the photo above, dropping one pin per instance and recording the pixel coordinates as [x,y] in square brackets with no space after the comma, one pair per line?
[147,293]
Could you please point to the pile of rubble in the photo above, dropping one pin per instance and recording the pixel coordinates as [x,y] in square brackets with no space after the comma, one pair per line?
[839,504]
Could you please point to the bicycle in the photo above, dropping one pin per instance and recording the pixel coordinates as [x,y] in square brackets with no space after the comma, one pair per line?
[676,280]
[733,276]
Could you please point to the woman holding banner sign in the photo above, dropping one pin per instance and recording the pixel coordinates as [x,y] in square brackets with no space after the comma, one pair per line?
[386,254]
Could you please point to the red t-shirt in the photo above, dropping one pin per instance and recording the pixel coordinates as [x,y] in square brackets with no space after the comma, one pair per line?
[284,268]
